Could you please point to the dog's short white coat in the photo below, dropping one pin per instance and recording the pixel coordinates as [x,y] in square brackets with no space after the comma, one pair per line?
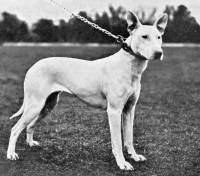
[112,83]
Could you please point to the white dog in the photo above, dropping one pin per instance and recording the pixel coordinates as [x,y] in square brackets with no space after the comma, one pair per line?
[112,83]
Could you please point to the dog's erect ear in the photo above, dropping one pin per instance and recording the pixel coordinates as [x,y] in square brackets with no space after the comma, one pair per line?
[133,21]
[161,23]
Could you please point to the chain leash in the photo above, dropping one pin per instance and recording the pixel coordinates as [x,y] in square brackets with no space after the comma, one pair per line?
[119,39]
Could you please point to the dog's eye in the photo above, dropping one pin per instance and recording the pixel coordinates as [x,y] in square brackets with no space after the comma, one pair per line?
[145,36]
[159,37]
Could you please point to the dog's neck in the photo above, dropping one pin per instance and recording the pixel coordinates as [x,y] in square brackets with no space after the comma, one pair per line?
[136,65]
[137,62]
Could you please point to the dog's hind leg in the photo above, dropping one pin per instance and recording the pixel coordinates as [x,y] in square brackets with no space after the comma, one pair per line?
[31,111]
[30,131]
[50,103]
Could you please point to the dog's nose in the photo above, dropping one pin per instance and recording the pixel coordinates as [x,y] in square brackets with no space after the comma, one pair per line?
[157,55]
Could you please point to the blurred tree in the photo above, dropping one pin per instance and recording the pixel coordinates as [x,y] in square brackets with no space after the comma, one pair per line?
[46,31]
[169,32]
[118,23]
[103,21]
[146,18]
[13,29]
[182,27]
[84,33]
[64,31]
[23,32]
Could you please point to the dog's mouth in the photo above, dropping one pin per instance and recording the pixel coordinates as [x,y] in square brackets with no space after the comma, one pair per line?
[142,56]
[156,56]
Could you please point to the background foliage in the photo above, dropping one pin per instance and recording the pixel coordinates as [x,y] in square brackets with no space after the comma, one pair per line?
[182,27]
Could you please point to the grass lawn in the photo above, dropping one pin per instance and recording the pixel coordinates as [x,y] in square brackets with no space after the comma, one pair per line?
[75,138]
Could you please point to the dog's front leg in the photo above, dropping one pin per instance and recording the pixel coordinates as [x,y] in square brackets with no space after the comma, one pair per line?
[114,116]
[128,119]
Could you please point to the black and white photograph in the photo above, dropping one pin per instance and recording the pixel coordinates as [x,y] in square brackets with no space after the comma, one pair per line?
[99,88]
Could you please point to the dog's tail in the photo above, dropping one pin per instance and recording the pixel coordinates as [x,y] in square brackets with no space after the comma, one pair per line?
[19,112]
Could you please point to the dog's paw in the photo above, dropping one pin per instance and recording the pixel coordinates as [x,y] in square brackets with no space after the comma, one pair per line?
[33,143]
[12,156]
[125,166]
[137,157]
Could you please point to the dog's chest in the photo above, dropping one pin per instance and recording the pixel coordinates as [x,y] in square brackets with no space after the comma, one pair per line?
[132,96]
[96,100]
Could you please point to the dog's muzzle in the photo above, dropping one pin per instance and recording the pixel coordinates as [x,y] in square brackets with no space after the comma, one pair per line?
[158,55]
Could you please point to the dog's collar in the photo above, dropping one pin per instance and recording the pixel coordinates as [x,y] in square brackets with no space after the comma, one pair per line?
[128,49]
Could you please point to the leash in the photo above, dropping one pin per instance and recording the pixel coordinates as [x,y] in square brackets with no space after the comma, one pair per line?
[118,38]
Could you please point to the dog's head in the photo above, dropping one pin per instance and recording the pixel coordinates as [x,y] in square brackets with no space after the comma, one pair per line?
[146,40]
